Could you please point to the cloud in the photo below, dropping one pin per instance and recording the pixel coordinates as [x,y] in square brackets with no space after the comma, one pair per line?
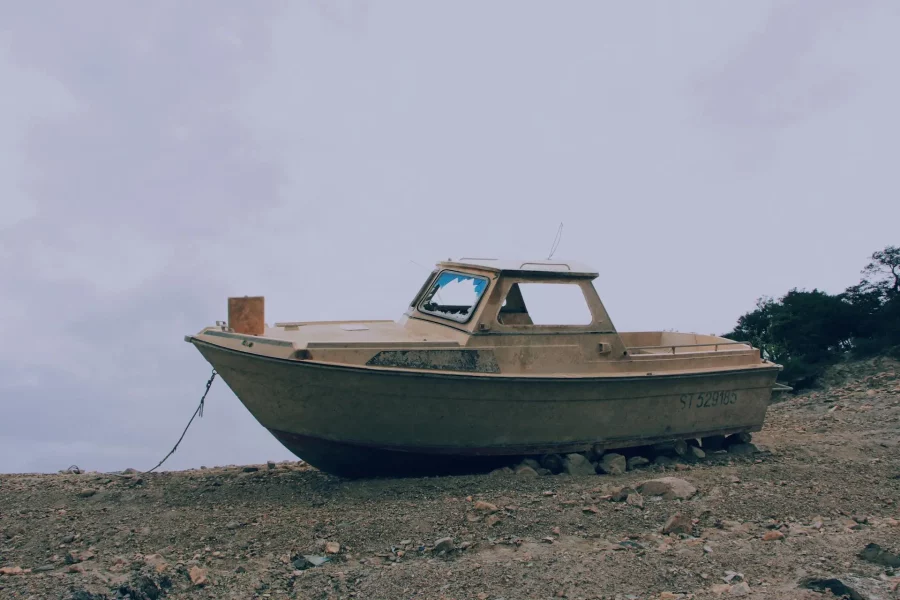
[105,264]
[775,78]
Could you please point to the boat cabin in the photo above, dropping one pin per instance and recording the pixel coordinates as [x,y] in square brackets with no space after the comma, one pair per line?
[489,316]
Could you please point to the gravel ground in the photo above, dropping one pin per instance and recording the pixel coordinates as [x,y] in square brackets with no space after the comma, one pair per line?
[794,520]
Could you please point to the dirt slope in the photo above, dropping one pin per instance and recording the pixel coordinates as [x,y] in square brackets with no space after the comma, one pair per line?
[825,484]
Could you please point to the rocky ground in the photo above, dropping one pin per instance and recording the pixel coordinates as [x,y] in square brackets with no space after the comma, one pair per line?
[815,513]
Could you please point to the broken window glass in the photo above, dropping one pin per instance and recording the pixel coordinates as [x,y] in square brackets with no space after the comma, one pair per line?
[453,296]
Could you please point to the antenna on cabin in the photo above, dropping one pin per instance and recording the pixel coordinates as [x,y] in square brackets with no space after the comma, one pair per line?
[556,241]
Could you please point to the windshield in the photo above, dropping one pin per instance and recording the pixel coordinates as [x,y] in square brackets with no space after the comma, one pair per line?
[453,296]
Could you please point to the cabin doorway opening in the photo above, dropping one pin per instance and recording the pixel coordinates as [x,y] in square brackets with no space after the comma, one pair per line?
[545,304]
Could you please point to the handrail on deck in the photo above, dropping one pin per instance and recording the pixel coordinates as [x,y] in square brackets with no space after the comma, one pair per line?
[673,346]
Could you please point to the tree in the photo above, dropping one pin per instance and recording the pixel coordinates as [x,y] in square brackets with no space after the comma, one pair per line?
[885,270]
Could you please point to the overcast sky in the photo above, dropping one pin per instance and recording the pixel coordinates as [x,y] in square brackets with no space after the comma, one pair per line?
[156,158]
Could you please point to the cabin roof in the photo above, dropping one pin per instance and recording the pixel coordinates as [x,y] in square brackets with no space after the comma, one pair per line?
[554,266]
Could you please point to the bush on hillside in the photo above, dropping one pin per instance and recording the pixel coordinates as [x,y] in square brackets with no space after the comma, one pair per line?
[806,331]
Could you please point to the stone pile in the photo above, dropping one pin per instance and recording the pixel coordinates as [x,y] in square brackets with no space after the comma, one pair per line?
[601,461]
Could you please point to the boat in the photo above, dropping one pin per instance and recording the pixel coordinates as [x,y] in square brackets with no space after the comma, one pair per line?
[491,361]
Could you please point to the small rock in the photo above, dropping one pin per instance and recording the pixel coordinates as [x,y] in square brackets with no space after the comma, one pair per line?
[486,507]
[157,562]
[669,488]
[526,471]
[862,520]
[621,494]
[696,453]
[719,589]
[772,536]
[739,589]
[232,525]
[443,545]
[577,464]
[492,520]
[835,586]
[11,570]
[68,539]
[87,493]
[636,462]
[678,523]
[874,553]
[307,561]
[501,471]
[732,576]
[635,499]
[75,569]
[612,464]
[198,575]
[271,465]
[742,449]
[43,568]
[332,547]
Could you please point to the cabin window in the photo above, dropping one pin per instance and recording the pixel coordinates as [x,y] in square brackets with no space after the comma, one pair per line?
[453,296]
[545,304]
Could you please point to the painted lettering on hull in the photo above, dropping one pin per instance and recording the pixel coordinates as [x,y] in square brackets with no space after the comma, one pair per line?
[708,399]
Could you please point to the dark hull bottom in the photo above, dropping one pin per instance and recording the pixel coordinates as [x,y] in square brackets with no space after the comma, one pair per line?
[359,461]
[356,461]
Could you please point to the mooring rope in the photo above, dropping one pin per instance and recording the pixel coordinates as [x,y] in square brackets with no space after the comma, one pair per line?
[199,411]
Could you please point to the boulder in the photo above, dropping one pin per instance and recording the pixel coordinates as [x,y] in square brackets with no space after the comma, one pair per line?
[612,464]
[577,464]
[636,462]
[530,462]
[670,488]
[526,471]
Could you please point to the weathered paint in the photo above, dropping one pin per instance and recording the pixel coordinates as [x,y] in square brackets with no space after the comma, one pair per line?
[468,361]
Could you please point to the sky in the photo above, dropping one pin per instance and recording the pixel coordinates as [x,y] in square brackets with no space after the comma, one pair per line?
[156,158]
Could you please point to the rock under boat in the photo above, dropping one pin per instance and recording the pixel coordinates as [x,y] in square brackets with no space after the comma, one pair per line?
[492,360]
